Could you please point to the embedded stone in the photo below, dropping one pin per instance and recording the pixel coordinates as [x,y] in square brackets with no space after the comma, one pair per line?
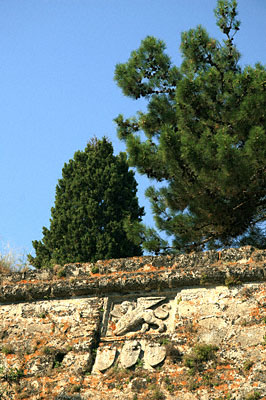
[105,358]
[76,363]
[133,316]
[162,312]
[130,354]
[154,354]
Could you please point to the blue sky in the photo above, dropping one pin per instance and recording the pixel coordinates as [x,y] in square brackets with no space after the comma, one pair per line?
[57,89]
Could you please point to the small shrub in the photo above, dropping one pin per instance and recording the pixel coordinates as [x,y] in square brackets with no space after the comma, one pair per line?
[232,281]
[117,372]
[156,393]
[253,396]
[193,384]
[56,364]
[164,341]
[173,353]
[7,350]
[247,365]
[209,379]
[200,354]
[48,350]
[138,382]
[75,389]
[58,358]
[61,273]
[169,385]
[12,374]
[203,279]
[119,386]
[95,269]
[140,363]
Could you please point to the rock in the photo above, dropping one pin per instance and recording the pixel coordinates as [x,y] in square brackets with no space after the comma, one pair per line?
[251,336]
[130,354]
[137,384]
[134,316]
[105,358]
[76,363]
[154,354]
[162,311]
[147,306]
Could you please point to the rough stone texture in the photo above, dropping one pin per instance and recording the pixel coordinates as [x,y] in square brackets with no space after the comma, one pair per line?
[130,354]
[169,327]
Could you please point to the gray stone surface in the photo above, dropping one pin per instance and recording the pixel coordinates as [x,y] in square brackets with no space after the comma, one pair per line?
[154,354]
[165,307]
[130,354]
[105,358]
[138,315]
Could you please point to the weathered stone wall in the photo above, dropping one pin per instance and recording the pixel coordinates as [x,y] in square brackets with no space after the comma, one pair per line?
[169,327]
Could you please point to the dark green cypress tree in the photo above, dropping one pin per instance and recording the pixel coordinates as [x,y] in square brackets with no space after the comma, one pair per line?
[94,198]
[205,137]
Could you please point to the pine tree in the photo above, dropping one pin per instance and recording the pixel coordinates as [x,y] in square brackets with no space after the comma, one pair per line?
[204,140]
[94,198]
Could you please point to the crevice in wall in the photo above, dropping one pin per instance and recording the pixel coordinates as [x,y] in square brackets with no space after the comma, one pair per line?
[97,336]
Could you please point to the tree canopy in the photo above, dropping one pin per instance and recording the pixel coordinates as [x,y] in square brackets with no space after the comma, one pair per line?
[94,198]
[202,137]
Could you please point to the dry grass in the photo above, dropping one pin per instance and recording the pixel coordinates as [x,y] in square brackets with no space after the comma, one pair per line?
[12,260]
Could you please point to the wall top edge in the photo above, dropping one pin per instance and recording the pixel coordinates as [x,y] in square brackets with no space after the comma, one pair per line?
[149,273]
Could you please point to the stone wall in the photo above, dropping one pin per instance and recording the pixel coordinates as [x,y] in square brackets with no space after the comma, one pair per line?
[168,327]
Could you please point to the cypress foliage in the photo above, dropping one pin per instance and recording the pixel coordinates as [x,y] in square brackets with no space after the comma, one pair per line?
[203,137]
[94,198]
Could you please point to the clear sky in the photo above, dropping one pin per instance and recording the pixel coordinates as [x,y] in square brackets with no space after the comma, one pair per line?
[57,89]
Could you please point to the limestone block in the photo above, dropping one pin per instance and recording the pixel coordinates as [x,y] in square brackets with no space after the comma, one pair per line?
[77,363]
[213,322]
[105,358]
[130,354]
[200,301]
[212,337]
[83,345]
[251,336]
[213,330]
[39,365]
[139,315]
[154,354]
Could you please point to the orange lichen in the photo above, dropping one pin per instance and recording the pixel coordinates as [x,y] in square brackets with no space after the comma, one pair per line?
[65,327]
[9,357]
[219,388]
[112,325]
[255,312]
[228,366]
